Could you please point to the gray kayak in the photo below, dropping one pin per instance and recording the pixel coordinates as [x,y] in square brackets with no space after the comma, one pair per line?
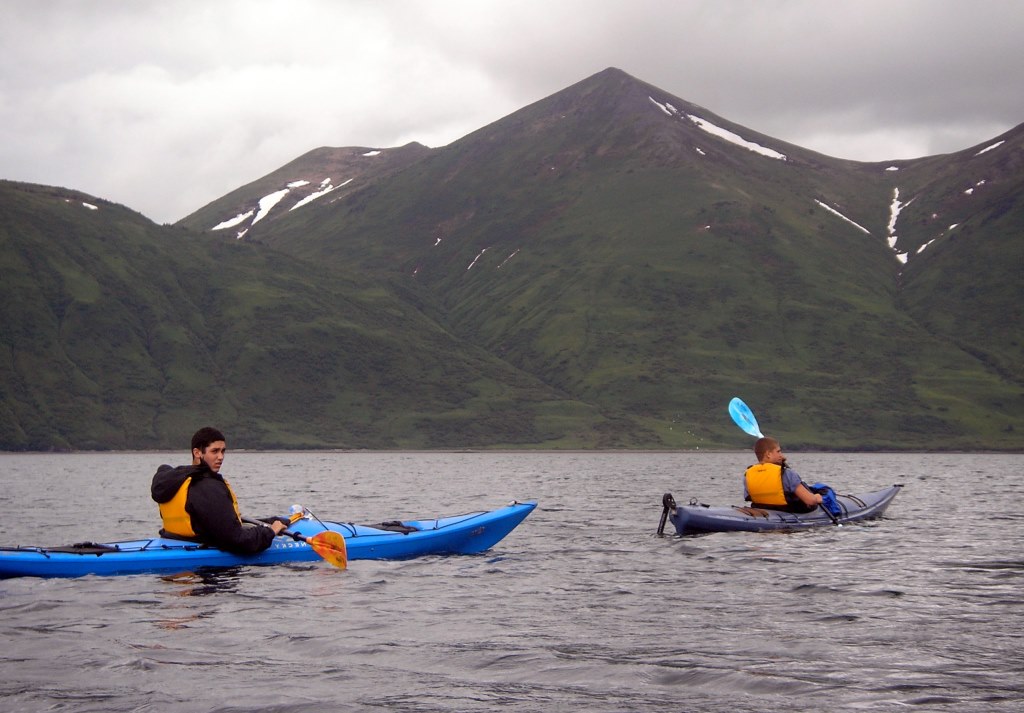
[699,519]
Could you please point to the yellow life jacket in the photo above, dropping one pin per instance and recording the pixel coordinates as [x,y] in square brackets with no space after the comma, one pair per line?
[764,484]
[175,517]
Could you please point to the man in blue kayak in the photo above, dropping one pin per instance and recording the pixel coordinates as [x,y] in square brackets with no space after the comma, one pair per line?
[197,503]
[774,485]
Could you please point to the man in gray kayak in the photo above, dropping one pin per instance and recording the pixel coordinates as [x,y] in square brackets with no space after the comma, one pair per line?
[774,485]
[197,503]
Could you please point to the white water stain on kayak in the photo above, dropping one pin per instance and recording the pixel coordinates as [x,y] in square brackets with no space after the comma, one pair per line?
[580,608]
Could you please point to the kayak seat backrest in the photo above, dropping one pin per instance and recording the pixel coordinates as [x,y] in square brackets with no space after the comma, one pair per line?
[395,526]
[754,512]
[84,548]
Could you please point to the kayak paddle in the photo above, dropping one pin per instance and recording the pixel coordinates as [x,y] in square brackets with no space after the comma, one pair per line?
[328,544]
[833,518]
[743,417]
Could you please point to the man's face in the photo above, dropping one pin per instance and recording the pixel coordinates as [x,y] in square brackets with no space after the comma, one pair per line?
[213,456]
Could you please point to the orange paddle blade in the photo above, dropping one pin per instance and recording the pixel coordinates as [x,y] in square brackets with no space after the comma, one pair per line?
[331,546]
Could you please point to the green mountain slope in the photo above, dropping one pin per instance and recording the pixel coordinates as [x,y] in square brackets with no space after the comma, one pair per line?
[607,242]
[963,224]
[118,333]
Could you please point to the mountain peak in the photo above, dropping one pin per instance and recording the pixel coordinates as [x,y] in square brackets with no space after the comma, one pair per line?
[321,175]
[612,113]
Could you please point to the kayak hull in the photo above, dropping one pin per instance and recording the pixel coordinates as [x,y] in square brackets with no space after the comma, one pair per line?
[698,519]
[459,534]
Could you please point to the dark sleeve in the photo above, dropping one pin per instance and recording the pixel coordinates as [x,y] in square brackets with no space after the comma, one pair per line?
[214,520]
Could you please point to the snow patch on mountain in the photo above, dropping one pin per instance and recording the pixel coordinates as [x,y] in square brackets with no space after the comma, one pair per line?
[970,191]
[480,255]
[90,206]
[718,131]
[835,212]
[269,201]
[996,145]
[232,222]
[663,107]
[735,138]
[325,187]
[512,255]
[894,213]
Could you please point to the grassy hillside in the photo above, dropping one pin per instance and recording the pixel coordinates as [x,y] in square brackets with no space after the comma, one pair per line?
[964,227]
[122,334]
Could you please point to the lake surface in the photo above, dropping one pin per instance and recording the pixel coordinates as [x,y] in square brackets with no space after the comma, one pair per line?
[582,608]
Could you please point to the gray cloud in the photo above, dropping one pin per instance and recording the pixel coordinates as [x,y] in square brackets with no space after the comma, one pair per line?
[165,106]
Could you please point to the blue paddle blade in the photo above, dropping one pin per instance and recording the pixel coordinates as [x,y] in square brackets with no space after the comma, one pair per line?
[744,417]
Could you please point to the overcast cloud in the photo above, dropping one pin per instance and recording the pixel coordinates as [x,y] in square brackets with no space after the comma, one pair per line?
[167,105]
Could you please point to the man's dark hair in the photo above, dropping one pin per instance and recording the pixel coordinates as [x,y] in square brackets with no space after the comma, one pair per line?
[763,445]
[205,436]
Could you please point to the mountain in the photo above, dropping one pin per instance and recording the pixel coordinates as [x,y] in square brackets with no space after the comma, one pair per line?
[620,263]
[118,333]
[652,258]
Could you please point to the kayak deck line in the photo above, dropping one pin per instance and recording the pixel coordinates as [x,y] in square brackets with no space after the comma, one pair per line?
[98,548]
[406,527]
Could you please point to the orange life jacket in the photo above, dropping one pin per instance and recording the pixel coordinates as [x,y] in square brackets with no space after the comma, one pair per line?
[176,519]
[764,484]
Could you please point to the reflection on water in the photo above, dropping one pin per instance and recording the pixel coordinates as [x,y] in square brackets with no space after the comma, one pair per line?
[204,582]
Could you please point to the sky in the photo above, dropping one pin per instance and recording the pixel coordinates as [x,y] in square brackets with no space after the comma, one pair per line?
[165,106]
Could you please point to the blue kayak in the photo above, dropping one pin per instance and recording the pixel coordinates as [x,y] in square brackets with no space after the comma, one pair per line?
[399,539]
[700,519]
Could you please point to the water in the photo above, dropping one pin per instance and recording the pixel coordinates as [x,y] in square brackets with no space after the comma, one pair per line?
[581,608]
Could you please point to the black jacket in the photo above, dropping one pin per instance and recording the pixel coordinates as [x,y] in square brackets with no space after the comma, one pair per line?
[210,508]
